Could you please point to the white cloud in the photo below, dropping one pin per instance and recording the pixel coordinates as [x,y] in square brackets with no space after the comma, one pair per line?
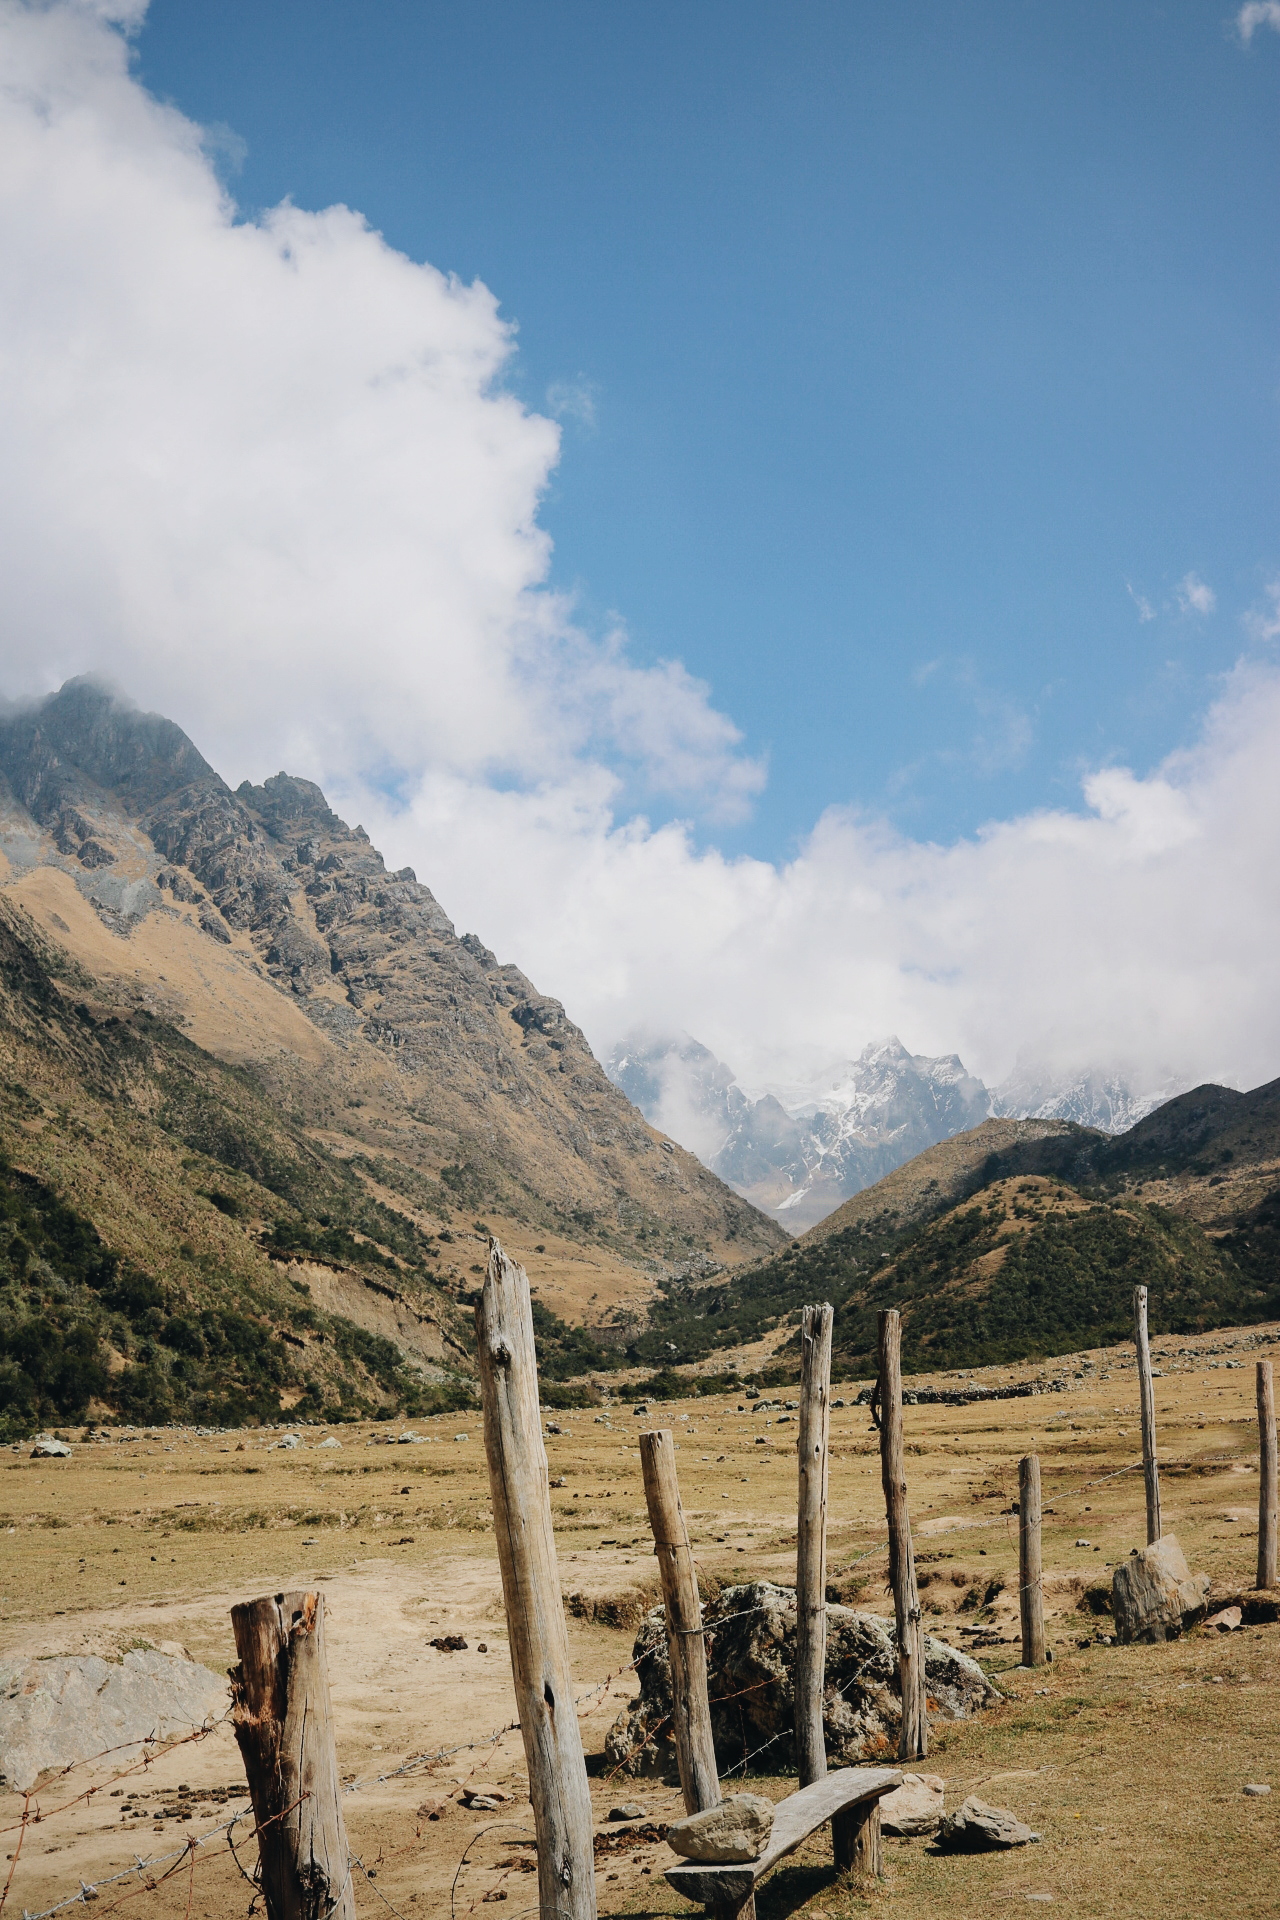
[267,475]
[1194,596]
[1257,13]
[1263,623]
[1139,932]
[574,400]
[1145,609]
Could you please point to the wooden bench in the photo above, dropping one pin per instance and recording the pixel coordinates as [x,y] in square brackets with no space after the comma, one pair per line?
[846,1798]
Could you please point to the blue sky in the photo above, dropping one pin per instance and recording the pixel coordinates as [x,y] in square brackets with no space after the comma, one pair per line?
[906,357]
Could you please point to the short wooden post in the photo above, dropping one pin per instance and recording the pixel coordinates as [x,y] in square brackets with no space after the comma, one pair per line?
[1267,1485]
[521,1497]
[1147,1393]
[1030,1571]
[811,1541]
[856,1840]
[284,1729]
[690,1707]
[913,1741]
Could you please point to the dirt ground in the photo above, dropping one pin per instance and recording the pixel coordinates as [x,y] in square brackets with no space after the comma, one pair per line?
[1131,1763]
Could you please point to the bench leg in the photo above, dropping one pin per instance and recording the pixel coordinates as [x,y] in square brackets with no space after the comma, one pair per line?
[747,1911]
[855,1840]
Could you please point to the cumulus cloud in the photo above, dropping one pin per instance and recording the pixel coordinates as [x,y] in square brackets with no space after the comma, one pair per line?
[1194,596]
[1138,932]
[1257,13]
[1145,609]
[267,475]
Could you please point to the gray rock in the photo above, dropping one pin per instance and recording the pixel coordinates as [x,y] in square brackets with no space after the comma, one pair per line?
[914,1808]
[1256,1790]
[47,1448]
[977,1828]
[54,1712]
[750,1674]
[629,1810]
[1154,1594]
[737,1830]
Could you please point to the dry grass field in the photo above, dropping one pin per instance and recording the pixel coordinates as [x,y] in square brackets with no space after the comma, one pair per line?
[1130,1762]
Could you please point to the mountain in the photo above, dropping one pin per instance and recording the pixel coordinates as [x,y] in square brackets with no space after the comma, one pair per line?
[1093,1098]
[1027,1237]
[228,994]
[798,1152]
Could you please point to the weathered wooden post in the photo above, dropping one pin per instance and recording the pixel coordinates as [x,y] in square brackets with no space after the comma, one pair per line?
[811,1541]
[284,1729]
[1030,1581]
[913,1741]
[531,1591]
[856,1840]
[1267,1486]
[1147,1393]
[690,1708]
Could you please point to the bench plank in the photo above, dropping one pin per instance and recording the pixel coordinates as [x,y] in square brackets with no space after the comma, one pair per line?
[794,1819]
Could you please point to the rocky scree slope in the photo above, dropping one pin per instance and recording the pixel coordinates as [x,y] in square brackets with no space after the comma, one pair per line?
[447,1062]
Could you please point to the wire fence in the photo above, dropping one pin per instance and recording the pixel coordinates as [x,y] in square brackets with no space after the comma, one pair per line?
[150,1874]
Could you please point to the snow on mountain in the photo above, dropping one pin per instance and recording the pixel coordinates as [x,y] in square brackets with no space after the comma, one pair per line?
[1093,1098]
[798,1149]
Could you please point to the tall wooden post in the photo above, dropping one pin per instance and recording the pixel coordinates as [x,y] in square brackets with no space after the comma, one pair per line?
[284,1729]
[913,1741]
[531,1590]
[1267,1487]
[1147,1393]
[1030,1581]
[690,1707]
[811,1541]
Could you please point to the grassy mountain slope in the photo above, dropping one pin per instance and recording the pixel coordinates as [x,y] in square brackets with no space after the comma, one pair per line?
[1027,1238]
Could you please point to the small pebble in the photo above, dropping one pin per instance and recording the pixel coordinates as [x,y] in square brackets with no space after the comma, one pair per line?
[1256,1790]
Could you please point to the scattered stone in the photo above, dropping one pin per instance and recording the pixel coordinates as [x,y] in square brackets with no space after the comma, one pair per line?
[288,1440]
[1256,1790]
[914,1808]
[1228,1620]
[641,1410]
[1084,1543]
[47,1448]
[462,1436]
[737,1830]
[559,1481]
[483,1647]
[449,1643]
[328,1441]
[482,1797]
[977,1828]
[627,1811]
[55,1712]
[1154,1594]
[408,1438]
[553,1428]
[433,1809]
[751,1666]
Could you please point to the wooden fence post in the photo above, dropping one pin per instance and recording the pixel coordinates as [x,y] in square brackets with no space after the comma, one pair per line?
[531,1591]
[811,1541]
[1030,1582]
[690,1708]
[284,1729]
[913,1741]
[856,1837]
[1267,1487]
[1147,1393]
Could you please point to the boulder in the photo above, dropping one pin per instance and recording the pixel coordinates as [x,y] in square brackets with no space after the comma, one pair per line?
[977,1828]
[1226,1620]
[750,1679]
[915,1807]
[1154,1594]
[737,1830]
[54,1712]
[47,1448]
